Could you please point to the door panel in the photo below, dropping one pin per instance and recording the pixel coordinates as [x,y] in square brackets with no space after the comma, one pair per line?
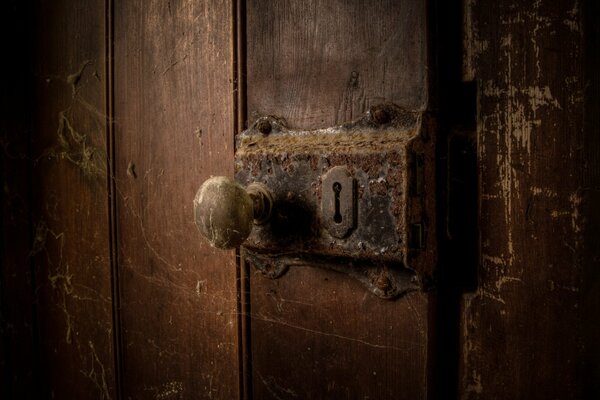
[115,111]
[173,128]
[317,333]
[523,334]
[70,244]
[323,63]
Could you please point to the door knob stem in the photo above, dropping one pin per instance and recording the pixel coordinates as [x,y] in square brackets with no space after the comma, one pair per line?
[262,201]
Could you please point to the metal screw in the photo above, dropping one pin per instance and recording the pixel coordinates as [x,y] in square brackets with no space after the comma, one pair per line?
[264,126]
[383,282]
[380,116]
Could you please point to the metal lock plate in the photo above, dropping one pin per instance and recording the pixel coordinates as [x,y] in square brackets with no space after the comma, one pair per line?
[384,166]
[338,202]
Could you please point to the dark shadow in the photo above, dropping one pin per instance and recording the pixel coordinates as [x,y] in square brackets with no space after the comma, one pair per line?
[454,103]
[20,359]
[590,367]
[292,221]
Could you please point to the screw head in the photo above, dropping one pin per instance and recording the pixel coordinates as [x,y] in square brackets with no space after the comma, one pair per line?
[383,282]
[264,126]
[380,116]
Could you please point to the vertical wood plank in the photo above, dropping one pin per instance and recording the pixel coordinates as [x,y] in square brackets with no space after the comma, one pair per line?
[70,220]
[315,333]
[524,329]
[174,128]
[320,63]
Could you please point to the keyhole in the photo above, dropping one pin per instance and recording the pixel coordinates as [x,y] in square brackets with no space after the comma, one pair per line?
[337,188]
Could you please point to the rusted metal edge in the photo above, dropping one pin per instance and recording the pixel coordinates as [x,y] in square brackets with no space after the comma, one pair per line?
[390,153]
[383,127]
[384,280]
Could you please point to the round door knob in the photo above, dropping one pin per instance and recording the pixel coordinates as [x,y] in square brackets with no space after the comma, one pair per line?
[224,211]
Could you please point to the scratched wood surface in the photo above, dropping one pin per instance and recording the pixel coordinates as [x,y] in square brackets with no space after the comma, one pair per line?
[69,247]
[174,128]
[530,330]
[314,333]
[319,63]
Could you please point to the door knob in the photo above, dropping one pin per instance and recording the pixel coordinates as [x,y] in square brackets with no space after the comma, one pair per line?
[225,212]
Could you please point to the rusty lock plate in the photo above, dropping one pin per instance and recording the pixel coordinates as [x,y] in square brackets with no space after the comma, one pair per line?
[364,190]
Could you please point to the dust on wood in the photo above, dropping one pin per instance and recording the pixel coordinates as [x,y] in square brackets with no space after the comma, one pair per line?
[75,147]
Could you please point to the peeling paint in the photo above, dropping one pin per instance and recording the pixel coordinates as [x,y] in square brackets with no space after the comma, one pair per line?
[545,192]
[573,21]
[504,280]
[476,386]
[530,108]
[575,200]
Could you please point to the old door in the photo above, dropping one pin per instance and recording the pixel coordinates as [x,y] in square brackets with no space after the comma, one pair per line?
[315,333]
[117,111]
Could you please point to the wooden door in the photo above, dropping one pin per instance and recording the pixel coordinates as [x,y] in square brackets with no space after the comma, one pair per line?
[116,111]
[314,333]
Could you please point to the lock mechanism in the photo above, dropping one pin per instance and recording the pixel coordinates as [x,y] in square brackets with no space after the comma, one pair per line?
[357,198]
[338,202]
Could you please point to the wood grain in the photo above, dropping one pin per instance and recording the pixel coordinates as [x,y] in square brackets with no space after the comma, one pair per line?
[320,63]
[315,333]
[69,199]
[524,329]
[318,334]
[174,128]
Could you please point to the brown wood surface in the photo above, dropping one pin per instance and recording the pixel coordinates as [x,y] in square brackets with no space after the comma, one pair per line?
[70,244]
[319,63]
[319,334]
[163,85]
[174,126]
[528,330]
[314,333]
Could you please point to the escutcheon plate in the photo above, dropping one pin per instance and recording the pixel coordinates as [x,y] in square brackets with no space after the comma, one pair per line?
[387,158]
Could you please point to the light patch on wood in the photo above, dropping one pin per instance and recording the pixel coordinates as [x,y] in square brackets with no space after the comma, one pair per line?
[486,294]
[573,21]
[476,386]
[98,377]
[528,124]
[200,284]
[575,200]
[59,275]
[74,78]
[167,390]
[473,45]
[544,192]
[517,117]
[506,279]
[469,323]
[553,286]
[75,147]
[492,259]
[558,214]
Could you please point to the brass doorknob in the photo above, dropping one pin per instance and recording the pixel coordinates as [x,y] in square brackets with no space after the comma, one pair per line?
[224,211]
